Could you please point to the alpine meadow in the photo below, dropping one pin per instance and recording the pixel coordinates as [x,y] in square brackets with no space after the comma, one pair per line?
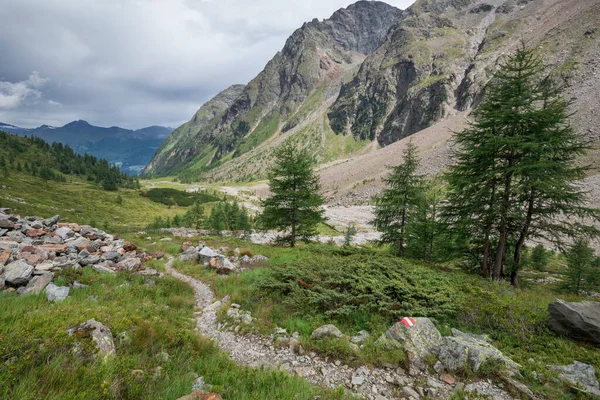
[379,201]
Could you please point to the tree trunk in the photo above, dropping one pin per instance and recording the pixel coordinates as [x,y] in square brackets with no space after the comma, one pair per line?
[514,276]
[486,258]
[501,249]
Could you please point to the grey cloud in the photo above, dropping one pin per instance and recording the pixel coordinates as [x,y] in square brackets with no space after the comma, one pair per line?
[137,63]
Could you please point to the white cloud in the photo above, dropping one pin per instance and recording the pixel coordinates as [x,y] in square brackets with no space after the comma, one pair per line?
[54,103]
[14,94]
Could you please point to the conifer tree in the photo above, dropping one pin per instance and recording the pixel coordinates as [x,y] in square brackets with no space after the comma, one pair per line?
[295,205]
[515,172]
[396,206]
[579,265]
[195,215]
[539,258]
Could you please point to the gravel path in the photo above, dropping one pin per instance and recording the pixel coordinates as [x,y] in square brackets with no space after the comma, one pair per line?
[257,350]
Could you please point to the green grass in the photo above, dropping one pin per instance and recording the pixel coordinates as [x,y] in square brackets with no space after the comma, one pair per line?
[156,318]
[306,287]
[81,202]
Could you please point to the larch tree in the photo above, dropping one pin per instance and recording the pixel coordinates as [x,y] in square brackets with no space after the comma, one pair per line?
[515,173]
[295,206]
[397,205]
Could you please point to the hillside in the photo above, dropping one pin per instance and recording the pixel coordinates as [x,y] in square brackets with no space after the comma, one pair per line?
[35,157]
[429,68]
[128,149]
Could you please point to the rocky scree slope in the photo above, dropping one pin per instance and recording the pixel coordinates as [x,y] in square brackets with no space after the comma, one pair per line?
[310,69]
[33,250]
[430,66]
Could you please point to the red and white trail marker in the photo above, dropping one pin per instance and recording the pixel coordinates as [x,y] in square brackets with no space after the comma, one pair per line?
[408,322]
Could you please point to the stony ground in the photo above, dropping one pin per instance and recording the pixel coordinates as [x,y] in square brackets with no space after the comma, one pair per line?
[372,383]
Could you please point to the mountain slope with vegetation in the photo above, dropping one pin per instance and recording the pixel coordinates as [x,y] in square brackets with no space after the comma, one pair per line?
[430,68]
[129,149]
[295,84]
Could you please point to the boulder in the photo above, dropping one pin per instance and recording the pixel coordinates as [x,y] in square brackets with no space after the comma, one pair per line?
[578,321]
[580,375]
[51,221]
[191,254]
[103,269]
[6,223]
[206,254]
[38,283]
[35,233]
[130,264]
[18,273]
[418,340]
[128,246]
[90,260]
[100,334]
[463,351]
[44,267]
[56,293]
[3,231]
[64,233]
[360,338]
[113,256]
[327,331]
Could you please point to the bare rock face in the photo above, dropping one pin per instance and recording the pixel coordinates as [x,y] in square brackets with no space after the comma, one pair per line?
[99,333]
[578,321]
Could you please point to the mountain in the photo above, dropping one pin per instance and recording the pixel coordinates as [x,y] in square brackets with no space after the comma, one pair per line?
[129,149]
[372,75]
[306,74]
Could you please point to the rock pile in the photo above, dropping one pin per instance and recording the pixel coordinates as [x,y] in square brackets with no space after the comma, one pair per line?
[216,260]
[32,249]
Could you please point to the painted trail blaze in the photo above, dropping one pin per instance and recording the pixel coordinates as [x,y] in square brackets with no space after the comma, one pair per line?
[408,322]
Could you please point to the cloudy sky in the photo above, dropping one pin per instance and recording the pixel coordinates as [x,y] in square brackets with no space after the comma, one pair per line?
[135,63]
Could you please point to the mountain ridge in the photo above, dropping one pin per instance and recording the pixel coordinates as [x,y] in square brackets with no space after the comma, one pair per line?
[130,149]
[431,64]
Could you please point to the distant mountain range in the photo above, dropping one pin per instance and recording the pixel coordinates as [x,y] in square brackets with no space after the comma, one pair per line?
[130,149]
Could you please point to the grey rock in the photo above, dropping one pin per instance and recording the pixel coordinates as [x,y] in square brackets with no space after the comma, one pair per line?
[44,267]
[100,335]
[130,264]
[51,221]
[578,374]
[360,338]
[78,285]
[113,256]
[64,233]
[18,273]
[90,260]
[419,340]
[578,321]
[206,254]
[326,331]
[38,283]
[462,351]
[6,223]
[16,236]
[3,231]
[57,293]
[190,254]
[36,225]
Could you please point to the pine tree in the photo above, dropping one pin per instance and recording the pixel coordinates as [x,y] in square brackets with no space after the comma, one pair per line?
[579,265]
[295,205]
[195,215]
[349,234]
[396,207]
[515,171]
[426,230]
[539,258]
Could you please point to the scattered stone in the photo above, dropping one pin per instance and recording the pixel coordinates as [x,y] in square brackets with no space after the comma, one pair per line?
[360,338]
[199,395]
[578,321]
[418,340]
[130,264]
[449,379]
[465,351]
[38,283]
[57,293]
[325,331]
[51,221]
[100,335]
[578,374]
[18,273]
